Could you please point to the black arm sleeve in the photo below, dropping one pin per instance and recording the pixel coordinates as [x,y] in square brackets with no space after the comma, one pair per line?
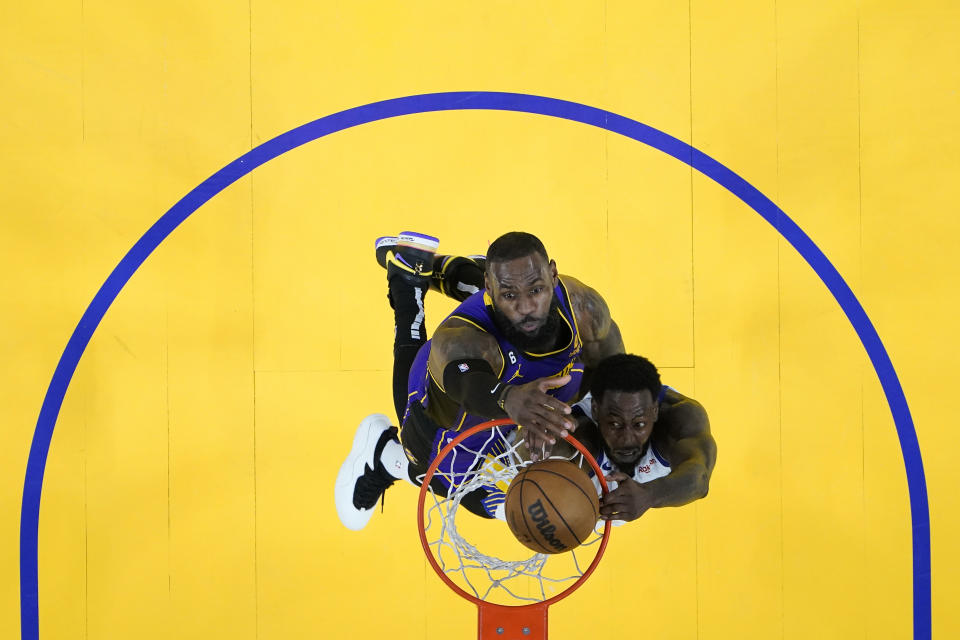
[473,384]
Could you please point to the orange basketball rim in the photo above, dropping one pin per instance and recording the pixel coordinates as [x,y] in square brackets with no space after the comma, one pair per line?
[498,621]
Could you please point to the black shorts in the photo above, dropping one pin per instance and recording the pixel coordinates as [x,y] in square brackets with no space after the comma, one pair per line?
[417,434]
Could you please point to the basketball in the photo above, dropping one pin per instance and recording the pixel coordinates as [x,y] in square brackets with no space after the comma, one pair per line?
[552,506]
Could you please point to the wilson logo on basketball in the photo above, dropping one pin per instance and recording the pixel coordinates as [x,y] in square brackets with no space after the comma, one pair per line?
[539,515]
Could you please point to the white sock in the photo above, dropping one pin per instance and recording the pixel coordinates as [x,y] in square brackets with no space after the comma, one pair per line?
[395,460]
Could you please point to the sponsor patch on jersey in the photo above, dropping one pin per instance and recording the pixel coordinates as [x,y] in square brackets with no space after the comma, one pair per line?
[463,367]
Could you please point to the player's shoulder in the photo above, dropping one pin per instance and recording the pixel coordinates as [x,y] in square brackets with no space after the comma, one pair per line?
[456,323]
[672,399]
[590,308]
[682,416]
[468,322]
[574,287]
[460,338]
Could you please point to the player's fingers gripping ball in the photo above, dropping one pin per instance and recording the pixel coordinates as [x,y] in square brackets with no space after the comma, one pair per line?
[552,506]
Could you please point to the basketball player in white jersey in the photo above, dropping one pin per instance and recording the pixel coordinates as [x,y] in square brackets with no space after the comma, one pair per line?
[652,443]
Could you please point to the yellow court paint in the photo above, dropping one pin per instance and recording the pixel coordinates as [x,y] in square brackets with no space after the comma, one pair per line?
[188,491]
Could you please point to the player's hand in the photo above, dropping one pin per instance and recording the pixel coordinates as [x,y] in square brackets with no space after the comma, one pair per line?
[543,417]
[628,501]
[538,446]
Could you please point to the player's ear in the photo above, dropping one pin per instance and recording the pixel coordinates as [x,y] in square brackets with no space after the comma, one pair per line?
[594,410]
[553,272]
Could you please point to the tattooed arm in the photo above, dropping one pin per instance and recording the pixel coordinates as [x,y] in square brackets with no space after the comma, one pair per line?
[600,334]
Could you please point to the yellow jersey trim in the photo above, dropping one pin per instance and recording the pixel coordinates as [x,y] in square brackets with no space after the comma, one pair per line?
[573,314]
[574,328]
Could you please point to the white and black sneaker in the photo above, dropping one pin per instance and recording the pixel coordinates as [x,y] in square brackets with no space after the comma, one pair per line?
[409,256]
[362,479]
[413,256]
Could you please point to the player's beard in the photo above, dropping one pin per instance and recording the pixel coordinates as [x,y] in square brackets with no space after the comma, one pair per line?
[545,338]
[626,466]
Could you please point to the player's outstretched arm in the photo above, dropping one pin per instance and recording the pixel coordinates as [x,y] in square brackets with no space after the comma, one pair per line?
[468,362]
[685,430]
[683,437]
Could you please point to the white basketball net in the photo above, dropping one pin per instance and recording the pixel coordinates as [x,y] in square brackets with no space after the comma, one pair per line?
[535,578]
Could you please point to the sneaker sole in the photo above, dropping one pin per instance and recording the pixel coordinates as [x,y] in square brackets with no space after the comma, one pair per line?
[385,241]
[419,241]
[369,431]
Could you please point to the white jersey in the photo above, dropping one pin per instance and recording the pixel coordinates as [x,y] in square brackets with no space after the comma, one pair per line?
[651,465]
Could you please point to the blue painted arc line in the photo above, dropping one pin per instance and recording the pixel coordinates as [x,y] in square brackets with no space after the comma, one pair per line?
[453,101]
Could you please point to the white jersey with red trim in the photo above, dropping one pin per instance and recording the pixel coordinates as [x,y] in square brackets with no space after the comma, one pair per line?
[651,466]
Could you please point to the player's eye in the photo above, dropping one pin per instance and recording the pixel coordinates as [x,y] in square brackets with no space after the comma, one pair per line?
[537,291]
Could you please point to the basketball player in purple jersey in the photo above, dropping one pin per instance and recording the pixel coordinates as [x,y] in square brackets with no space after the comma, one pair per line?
[513,350]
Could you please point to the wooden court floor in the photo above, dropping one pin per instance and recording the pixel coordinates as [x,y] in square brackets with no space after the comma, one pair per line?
[188,488]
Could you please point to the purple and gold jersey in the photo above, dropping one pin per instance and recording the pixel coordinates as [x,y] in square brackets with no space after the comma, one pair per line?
[519,367]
